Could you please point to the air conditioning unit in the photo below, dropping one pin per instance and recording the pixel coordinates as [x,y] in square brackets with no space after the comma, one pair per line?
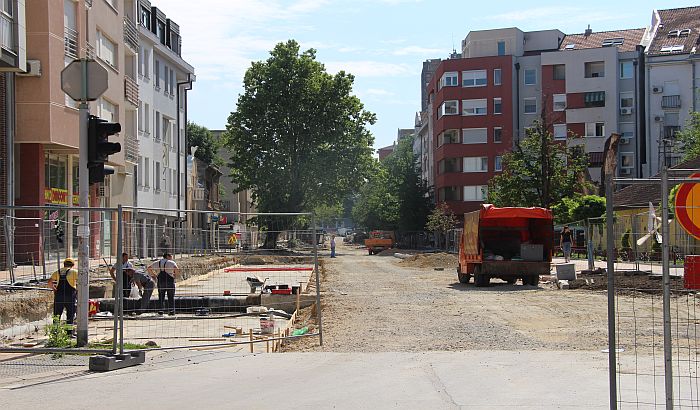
[625,140]
[625,171]
[626,111]
[659,118]
[33,69]
[657,89]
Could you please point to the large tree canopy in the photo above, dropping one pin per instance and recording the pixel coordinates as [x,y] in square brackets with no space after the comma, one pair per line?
[540,171]
[298,137]
[202,138]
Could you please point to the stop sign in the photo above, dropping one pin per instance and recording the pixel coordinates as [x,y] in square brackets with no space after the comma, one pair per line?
[72,80]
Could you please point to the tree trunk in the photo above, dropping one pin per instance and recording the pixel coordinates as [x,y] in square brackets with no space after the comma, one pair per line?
[270,240]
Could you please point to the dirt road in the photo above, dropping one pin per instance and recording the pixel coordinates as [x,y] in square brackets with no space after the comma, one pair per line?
[375,303]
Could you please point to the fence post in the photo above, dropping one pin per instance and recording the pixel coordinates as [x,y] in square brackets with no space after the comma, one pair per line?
[318,281]
[612,357]
[665,237]
[120,277]
[589,247]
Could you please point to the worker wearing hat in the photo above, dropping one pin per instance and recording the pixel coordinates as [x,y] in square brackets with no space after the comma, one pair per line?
[64,283]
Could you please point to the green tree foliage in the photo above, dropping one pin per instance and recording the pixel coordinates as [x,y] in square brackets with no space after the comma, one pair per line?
[441,220]
[326,215]
[298,136]
[689,137]
[203,139]
[540,171]
[395,198]
[588,206]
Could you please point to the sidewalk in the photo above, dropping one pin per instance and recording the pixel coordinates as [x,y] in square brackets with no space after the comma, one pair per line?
[434,380]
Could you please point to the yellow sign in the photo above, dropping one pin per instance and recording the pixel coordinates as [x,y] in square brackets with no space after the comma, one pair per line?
[58,196]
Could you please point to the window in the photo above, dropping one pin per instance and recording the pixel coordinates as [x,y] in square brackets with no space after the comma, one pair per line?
[449,137]
[594,99]
[559,102]
[672,49]
[594,69]
[498,163]
[166,78]
[156,73]
[139,167]
[448,165]
[450,107]
[475,164]
[559,72]
[501,48]
[145,17]
[107,111]
[158,126]
[497,106]
[140,118]
[141,56]
[497,76]
[160,31]
[146,172]
[449,79]
[530,76]
[7,7]
[560,131]
[474,107]
[475,193]
[449,193]
[146,118]
[626,69]
[475,136]
[609,42]
[530,106]
[157,177]
[498,135]
[474,78]
[627,159]
[172,82]
[595,129]
[106,49]
[626,100]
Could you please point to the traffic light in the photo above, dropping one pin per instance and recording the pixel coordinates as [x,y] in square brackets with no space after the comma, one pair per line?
[99,147]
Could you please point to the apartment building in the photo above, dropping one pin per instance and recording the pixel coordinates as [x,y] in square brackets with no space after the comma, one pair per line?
[672,73]
[591,88]
[46,154]
[13,62]
[163,81]
[480,104]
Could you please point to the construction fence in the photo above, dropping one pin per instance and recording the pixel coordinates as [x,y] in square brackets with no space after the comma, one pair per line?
[191,279]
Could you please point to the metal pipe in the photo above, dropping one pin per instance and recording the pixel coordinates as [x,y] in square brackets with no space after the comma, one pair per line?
[665,269]
[612,357]
[247,342]
[10,164]
[118,317]
[318,282]
[52,350]
[25,288]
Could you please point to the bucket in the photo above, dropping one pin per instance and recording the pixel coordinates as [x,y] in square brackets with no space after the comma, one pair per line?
[267,326]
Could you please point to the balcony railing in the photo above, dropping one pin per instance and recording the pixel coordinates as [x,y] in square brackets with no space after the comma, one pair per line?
[131,34]
[671,101]
[70,42]
[131,91]
[131,149]
[198,194]
[90,51]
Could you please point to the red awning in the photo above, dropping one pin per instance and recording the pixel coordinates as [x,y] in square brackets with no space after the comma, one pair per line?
[489,211]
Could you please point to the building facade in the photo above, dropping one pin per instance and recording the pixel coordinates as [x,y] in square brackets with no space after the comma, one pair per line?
[163,81]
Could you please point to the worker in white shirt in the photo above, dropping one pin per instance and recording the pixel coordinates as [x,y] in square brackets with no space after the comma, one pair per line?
[165,270]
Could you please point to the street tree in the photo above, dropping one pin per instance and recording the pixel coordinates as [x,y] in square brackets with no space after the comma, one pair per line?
[689,137]
[207,146]
[298,137]
[376,206]
[540,171]
[441,220]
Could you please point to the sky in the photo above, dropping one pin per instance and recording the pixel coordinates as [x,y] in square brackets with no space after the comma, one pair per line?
[383,43]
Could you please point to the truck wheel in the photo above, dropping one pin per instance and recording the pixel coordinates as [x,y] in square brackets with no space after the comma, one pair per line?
[370,251]
[532,280]
[481,280]
[511,281]
[464,277]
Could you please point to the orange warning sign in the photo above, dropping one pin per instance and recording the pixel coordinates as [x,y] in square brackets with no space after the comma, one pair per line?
[688,207]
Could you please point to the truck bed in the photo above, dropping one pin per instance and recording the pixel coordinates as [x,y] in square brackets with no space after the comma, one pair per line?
[515,268]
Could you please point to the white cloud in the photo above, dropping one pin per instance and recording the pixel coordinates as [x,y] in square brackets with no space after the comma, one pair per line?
[371,68]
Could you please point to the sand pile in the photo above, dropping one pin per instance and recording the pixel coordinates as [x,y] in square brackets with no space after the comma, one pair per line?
[431,260]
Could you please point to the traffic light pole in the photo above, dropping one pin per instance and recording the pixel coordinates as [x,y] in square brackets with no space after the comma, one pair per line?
[84,224]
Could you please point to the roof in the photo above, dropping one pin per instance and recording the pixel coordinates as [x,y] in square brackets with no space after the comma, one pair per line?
[489,211]
[678,31]
[639,195]
[624,40]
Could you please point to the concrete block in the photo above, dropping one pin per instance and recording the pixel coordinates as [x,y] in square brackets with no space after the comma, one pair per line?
[114,362]
[563,284]
[566,271]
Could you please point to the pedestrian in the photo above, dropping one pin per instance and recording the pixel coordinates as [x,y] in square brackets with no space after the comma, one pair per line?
[165,243]
[126,282]
[64,283]
[165,270]
[333,246]
[145,283]
[565,243]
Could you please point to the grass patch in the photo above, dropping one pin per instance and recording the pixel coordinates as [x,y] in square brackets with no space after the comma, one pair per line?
[127,346]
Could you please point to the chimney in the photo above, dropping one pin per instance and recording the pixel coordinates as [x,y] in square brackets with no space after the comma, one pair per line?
[588,31]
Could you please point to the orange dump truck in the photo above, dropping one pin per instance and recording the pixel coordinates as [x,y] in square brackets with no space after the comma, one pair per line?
[379,241]
[506,243]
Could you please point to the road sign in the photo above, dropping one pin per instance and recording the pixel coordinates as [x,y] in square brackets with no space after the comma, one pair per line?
[687,207]
[72,76]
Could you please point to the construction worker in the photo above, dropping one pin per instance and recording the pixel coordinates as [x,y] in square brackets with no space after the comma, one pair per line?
[165,271]
[64,283]
[126,281]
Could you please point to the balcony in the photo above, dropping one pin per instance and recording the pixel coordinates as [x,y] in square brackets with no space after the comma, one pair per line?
[70,42]
[671,101]
[90,51]
[131,34]
[198,194]
[131,91]
[131,149]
